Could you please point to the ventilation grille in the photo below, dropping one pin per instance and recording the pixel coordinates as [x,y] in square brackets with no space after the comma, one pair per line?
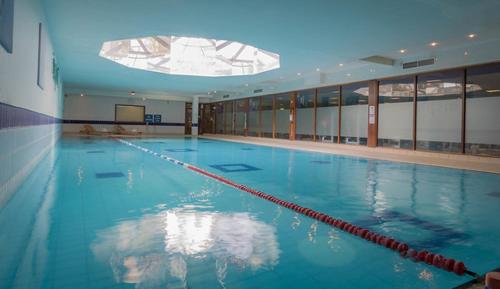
[419,63]
[258,90]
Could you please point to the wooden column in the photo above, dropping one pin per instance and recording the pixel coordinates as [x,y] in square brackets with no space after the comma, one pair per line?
[274,116]
[340,115]
[315,115]
[259,133]
[464,107]
[372,113]
[293,115]
[233,118]
[224,118]
[415,92]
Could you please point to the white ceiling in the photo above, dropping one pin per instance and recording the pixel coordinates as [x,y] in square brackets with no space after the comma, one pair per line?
[309,36]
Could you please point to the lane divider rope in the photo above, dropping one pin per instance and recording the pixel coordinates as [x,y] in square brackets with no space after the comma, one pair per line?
[436,260]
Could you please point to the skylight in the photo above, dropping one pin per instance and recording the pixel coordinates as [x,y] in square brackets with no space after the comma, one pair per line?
[190,56]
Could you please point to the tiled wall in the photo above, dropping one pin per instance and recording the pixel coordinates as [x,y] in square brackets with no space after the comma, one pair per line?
[25,138]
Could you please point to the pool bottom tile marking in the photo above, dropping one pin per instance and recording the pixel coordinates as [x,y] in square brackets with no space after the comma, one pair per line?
[108,175]
[436,260]
[231,168]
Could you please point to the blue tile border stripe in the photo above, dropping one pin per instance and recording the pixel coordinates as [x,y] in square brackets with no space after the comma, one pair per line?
[83,121]
[108,175]
[13,116]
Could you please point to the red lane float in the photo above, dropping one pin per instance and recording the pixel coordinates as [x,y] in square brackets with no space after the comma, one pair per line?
[436,260]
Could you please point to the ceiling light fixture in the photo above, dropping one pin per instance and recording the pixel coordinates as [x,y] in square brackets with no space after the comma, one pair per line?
[348,74]
[318,70]
[341,64]
[81,94]
[433,44]
[472,35]
[132,93]
[493,90]
[190,56]
[299,74]
[402,51]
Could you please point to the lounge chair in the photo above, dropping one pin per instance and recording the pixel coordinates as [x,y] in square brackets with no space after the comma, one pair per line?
[90,130]
[121,130]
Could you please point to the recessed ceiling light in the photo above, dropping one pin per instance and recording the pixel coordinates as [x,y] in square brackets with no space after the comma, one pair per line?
[466,53]
[246,84]
[143,99]
[81,94]
[215,91]
[348,74]
[318,70]
[402,51]
[372,70]
[433,44]
[472,35]
[341,64]
[299,74]
[132,93]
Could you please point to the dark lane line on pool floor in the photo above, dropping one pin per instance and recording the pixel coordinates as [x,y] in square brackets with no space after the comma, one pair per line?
[436,260]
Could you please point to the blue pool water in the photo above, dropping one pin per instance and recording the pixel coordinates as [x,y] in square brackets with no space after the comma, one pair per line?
[99,214]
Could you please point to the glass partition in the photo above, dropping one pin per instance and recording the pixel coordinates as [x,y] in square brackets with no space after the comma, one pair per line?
[282,111]
[327,114]
[395,113]
[305,114]
[240,117]
[482,129]
[354,114]
[228,117]
[267,115]
[254,116]
[439,111]
[219,118]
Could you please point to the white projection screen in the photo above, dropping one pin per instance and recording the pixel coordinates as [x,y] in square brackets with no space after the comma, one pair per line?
[129,113]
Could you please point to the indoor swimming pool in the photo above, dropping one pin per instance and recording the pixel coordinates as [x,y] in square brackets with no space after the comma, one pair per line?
[98,213]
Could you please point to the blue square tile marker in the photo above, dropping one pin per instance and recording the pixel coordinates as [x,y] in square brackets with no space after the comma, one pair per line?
[109,175]
[494,194]
[180,150]
[231,168]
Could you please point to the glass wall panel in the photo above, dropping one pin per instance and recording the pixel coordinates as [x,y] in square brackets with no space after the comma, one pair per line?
[439,111]
[327,114]
[482,129]
[395,113]
[253,116]
[283,116]
[267,116]
[228,117]
[354,128]
[240,117]
[305,114]
[219,118]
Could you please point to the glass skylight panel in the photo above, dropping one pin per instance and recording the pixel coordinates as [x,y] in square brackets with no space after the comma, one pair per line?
[190,56]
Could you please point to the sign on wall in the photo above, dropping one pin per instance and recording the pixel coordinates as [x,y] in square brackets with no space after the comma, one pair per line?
[371,114]
[6,24]
[148,118]
[157,118]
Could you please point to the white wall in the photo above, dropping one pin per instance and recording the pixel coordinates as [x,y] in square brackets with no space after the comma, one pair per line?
[22,147]
[18,71]
[102,108]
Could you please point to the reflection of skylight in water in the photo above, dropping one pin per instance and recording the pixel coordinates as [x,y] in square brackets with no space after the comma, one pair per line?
[190,56]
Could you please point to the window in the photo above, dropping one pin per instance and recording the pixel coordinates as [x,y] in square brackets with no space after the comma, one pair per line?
[305,114]
[328,114]
[228,117]
[439,111]
[354,114]
[282,111]
[6,24]
[40,78]
[240,117]
[482,135]
[267,115]
[129,113]
[219,118]
[395,113]
[253,116]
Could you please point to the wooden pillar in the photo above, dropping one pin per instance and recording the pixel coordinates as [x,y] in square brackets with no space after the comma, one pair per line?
[372,113]
[224,118]
[259,132]
[315,115]
[233,118]
[339,133]
[274,116]
[415,95]
[293,115]
[464,107]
